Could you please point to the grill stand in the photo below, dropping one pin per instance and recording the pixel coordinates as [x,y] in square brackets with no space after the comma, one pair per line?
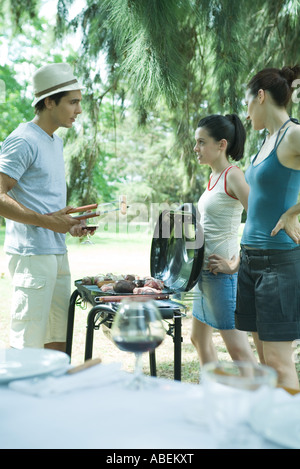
[174,331]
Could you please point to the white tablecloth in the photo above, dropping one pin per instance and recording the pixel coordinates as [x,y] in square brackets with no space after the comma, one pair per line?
[102,413]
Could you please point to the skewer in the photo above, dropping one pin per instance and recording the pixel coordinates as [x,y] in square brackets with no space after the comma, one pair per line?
[87,214]
[144,296]
[123,204]
[83,208]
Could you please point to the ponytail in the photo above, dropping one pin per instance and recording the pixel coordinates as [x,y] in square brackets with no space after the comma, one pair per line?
[228,127]
[277,81]
[290,73]
[236,149]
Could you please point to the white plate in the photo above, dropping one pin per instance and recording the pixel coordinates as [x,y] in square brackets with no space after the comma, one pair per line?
[29,362]
[279,423]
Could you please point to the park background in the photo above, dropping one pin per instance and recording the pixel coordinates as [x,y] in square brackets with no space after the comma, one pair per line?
[151,69]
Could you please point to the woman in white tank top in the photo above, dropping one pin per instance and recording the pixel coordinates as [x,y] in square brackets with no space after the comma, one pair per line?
[221,205]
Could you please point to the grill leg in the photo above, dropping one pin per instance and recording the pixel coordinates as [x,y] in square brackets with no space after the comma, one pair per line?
[90,333]
[152,362]
[177,347]
[91,326]
[70,325]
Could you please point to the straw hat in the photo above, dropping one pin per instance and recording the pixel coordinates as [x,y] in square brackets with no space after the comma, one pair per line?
[52,79]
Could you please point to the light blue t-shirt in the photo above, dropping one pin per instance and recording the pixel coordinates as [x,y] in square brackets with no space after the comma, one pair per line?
[35,160]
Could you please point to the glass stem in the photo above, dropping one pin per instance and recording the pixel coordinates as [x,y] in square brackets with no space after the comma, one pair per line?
[138,365]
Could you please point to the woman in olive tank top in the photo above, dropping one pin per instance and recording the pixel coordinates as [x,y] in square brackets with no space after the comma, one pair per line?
[268,294]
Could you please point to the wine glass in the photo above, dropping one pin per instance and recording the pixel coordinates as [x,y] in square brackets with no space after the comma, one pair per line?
[229,389]
[137,328]
[91,227]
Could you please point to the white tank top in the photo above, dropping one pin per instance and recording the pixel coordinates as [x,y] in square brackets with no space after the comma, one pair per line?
[220,219]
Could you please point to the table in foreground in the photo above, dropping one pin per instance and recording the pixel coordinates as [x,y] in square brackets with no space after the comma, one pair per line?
[95,409]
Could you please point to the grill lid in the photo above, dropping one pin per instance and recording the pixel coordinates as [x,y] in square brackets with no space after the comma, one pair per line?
[177,248]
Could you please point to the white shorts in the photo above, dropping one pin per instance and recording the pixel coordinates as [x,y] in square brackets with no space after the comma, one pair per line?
[41,294]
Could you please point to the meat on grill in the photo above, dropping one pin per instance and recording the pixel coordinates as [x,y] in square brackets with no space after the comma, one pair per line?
[130,278]
[107,287]
[153,283]
[125,284]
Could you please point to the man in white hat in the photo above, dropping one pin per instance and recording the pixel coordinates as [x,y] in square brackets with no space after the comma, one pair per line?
[33,200]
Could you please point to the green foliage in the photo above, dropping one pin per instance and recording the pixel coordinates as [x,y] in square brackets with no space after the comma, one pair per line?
[124,159]
[196,55]
[167,64]
[21,11]
[144,162]
[227,28]
[152,43]
[15,107]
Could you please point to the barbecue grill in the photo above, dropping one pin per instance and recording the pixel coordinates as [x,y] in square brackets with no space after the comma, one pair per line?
[176,258]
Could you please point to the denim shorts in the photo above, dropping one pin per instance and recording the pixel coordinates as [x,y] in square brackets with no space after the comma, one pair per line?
[215,300]
[268,294]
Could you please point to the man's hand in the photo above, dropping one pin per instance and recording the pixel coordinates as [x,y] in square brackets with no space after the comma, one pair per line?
[60,221]
[81,230]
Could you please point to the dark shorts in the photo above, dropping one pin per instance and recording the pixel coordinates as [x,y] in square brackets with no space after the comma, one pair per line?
[268,294]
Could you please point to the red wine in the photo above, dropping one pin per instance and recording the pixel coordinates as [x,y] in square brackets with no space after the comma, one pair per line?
[136,345]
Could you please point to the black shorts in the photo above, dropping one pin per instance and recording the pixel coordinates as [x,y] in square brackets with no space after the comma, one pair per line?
[268,294]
